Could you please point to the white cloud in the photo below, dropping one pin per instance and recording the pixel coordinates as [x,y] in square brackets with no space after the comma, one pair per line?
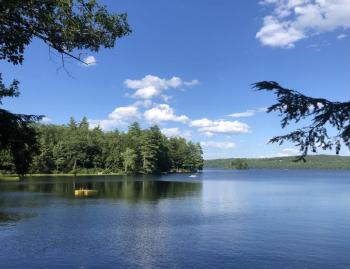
[342,36]
[210,127]
[288,152]
[217,155]
[153,86]
[175,132]
[46,120]
[248,113]
[166,98]
[144,108]
[221,145]
[209,134]
[293,20]
[191,83]
[119,117]
[275,33]
[143,103]
[122,113]
[170,132]
[89,61]
[318,105]
[201,123]
[163,112]
[146,93]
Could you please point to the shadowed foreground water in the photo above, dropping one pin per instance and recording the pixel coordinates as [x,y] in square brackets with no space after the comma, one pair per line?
[220,219]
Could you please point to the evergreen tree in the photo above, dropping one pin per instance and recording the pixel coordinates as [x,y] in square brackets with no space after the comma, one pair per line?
[150,150]
[84,124]
[194,160]
[164,160]
[6,162]
[112,151]
[17,135]
[72,123]
[74,148]
[66,27]
[129,160]
[199,157]
[178,152]
[134,142]
[294,106]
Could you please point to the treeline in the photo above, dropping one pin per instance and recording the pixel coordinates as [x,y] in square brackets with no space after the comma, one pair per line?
[239,164]
[312,162]
[75,148]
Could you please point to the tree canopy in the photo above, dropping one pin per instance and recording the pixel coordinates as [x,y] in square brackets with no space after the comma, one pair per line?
[74,148]
[67,27]
[17,137]
[294,106]
[64,25]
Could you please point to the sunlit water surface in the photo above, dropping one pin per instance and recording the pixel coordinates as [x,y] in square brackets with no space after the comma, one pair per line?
[219,219]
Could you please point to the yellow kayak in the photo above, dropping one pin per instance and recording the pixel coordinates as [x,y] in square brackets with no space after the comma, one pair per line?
[84,192]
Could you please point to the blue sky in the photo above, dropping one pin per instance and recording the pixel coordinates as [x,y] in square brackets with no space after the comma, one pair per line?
[188,67]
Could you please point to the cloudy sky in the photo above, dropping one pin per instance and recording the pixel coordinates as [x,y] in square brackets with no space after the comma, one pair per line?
[188,67]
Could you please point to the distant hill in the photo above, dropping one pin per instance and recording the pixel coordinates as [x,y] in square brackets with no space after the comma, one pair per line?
[313,162]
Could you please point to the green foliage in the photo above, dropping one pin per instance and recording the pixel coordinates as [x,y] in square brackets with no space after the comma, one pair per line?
[178,152]
[6,162]
[150,149]
[65,26]
[239,164]
[17,136]
[313,162]
[294,106]
[74,148]
[194,158]
[129,160]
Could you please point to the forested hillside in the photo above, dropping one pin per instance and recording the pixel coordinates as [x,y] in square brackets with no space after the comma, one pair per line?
[312,162]
[75,148]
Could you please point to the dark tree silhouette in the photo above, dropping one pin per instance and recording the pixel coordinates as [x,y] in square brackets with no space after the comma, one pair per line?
[17,136]
[66,26]
[293,106]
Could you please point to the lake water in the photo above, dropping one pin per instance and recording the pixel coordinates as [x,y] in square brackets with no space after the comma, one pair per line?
[219,219]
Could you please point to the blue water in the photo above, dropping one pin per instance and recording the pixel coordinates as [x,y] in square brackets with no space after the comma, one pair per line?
[219,219]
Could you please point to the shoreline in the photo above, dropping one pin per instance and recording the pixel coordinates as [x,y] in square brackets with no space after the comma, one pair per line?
[10,178]
[321,162]
[283,168]
[18,178]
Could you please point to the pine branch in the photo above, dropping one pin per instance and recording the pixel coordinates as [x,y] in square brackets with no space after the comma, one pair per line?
[294,106]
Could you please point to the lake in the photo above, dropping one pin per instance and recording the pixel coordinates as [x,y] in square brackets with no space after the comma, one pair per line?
[219,219]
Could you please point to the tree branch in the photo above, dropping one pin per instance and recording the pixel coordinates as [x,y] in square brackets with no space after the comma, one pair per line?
[294,106]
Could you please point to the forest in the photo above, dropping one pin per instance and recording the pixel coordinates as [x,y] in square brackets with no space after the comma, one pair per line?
[75,148]
[311,162]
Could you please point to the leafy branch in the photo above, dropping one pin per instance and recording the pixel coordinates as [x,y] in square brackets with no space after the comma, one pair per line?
[64,25]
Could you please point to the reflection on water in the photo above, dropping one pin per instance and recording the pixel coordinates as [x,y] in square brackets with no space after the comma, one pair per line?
[128,190]
[8,217]
[222,219]
[20,200]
